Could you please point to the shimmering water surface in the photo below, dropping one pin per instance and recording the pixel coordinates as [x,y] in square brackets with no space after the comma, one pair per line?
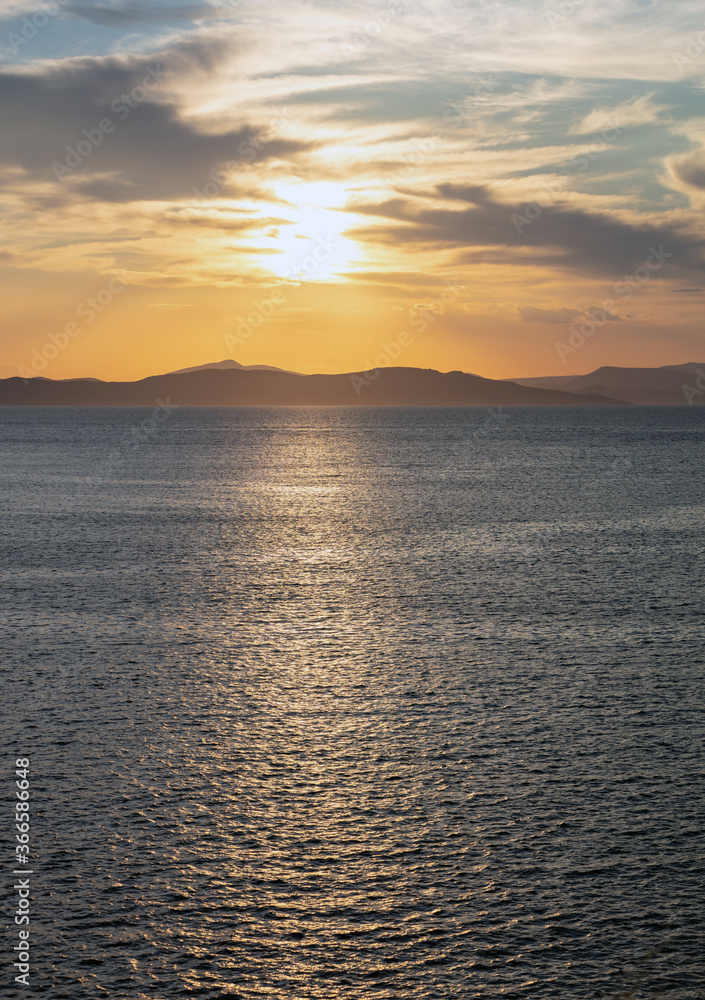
[359,703]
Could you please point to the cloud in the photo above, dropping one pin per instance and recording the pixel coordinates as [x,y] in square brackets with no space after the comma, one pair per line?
[226,221]
[689,169]
[557,317]
[558,235]
[563,317]
[398,279]
[125,14]
[605,317]
[170,306]
[147,151]
[628,114]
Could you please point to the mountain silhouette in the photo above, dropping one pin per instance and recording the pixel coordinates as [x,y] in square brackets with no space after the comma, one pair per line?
[667,385]
[229,363]
[219,386]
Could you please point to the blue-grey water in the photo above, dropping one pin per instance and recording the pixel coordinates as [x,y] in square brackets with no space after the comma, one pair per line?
[335,703]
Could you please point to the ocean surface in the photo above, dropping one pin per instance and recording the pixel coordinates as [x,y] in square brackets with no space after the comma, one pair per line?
[340,704]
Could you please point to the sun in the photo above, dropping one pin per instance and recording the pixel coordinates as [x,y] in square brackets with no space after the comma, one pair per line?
[309,244]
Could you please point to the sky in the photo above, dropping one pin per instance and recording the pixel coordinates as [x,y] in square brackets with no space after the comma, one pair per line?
[507,188]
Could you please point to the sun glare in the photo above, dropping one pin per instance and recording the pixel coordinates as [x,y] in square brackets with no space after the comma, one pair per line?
[309,245]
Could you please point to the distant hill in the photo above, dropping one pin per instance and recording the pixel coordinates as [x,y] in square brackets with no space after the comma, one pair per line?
[262,387]
[646,386]
[229,363]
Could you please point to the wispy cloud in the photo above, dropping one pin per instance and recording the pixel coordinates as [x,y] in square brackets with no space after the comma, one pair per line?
[628,114]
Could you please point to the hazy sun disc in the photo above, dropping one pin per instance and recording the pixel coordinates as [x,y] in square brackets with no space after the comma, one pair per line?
[310,245]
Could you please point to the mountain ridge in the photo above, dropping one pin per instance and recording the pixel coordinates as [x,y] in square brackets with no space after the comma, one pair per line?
[229,363]
[663,386]
[261,387]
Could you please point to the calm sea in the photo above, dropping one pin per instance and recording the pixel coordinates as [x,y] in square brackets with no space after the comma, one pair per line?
[339,704]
